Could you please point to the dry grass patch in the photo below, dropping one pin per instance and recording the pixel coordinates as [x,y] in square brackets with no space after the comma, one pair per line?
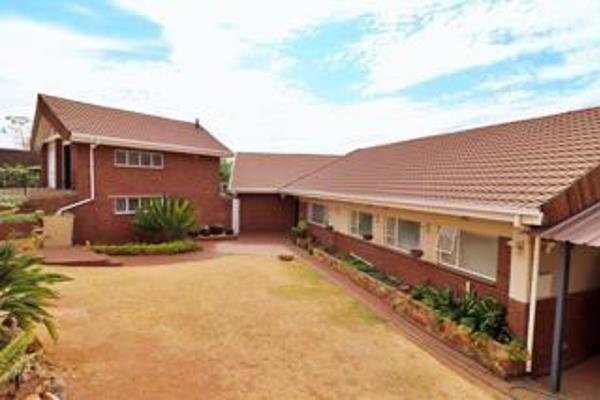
[236,327]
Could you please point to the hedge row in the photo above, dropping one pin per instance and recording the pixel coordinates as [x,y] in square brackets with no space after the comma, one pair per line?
[133,249]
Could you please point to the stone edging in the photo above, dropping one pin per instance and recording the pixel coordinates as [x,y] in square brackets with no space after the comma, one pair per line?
[493,355]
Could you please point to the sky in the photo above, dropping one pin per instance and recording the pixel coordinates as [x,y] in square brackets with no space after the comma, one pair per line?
[322,76]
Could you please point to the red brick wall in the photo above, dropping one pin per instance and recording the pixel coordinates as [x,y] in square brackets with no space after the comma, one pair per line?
[266,212]
[193,177]
[16,230]
[414,270]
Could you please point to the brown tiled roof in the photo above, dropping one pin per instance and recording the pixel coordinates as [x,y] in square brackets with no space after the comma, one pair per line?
[266,172]
[120,125]
[519,164]
[19,157]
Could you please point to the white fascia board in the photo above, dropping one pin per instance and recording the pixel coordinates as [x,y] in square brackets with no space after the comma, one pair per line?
[528,216]
[141,144]
[256,190]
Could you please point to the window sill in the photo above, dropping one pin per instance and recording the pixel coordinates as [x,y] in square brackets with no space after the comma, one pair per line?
[467,274]
[324,226]
[138,167]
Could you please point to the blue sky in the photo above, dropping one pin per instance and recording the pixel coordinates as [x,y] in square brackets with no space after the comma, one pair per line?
[314,76]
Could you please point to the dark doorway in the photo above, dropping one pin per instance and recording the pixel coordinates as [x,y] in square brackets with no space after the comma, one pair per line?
[66,172]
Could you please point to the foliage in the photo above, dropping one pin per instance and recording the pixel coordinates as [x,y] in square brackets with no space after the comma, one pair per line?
[18,128]
[174,247]
[19,176]
[13,357]
[301,229]
[25,290]
[166,220]
[225,168]
[363,266]
[33,218]
[480,314]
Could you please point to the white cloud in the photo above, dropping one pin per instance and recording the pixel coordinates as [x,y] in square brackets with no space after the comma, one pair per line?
[255,109]
[475,34]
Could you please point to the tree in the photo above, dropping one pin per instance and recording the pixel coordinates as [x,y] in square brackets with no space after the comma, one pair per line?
[18,128]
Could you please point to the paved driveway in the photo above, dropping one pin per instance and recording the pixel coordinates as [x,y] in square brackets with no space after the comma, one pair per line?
[235,327]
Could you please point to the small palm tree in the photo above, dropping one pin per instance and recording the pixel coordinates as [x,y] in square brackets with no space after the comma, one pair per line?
[166,219]
[25,291]
[14,356]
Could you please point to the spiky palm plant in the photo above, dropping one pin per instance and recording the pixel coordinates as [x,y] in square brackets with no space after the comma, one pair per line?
[166,219]
[26,291]
[14,357]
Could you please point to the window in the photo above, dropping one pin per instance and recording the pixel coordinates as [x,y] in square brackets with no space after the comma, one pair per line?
[130,204]
[403,234]
[142,159]
[120,157]
[473,253]
[361,223]
[318,214]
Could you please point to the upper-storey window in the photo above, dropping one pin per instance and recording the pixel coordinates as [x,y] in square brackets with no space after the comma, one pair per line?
[139,159]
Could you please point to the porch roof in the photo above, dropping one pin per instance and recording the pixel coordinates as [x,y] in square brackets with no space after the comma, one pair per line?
[582,228]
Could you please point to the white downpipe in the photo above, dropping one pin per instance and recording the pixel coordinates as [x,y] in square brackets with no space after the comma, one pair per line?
[235,215]
[533,299]
[92,185]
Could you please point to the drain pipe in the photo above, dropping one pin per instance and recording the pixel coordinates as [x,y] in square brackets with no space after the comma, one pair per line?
[92,185]
[533,300]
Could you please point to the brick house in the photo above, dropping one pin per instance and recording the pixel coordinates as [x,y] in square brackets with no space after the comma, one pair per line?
[465,210]
[256,180]
[111,161]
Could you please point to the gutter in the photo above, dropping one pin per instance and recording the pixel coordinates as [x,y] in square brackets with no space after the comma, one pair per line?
[533,290]
[521,216]
[92,185]
[143,144]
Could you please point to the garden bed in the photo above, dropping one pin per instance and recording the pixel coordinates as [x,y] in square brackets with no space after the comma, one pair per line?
[210,238]
[134,249]
[505,360]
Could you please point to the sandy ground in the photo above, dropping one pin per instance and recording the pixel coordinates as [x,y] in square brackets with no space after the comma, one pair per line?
[235,327]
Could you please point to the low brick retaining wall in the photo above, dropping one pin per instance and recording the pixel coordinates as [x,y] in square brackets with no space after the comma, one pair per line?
[16,230]
[497,357]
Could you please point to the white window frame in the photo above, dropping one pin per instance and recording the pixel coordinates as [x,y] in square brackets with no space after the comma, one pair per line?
[395,238]
[457,265]
[354,227]
[150,154]
[128,210]
[325,221]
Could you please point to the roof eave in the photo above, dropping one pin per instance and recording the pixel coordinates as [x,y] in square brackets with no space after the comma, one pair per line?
[141,144]
[525,216]
[256,190]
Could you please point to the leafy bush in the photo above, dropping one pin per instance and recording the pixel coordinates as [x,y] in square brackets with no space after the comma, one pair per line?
[165,220]
[480,314]
[216,229]
[301,229]
[25,291]
[19,176]
[33,218]
[134,249]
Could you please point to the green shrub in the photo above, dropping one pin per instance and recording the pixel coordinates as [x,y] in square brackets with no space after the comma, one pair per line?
[134,249]
[165,220]
[33,218]
[480,314]
[301,229]
[26,290]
